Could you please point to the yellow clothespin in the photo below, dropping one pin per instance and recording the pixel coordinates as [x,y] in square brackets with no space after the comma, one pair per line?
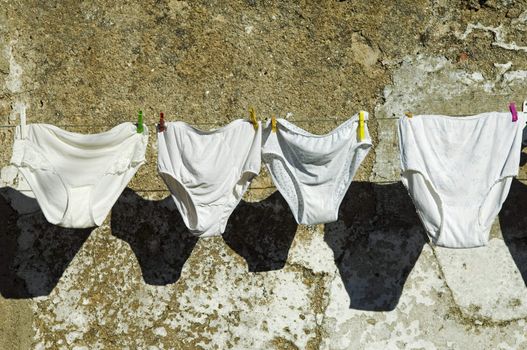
[252,114]
[361,125]
[273,123]
[408,114]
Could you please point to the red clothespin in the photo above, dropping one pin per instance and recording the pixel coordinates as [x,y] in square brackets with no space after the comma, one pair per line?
[514,112]
[161,126]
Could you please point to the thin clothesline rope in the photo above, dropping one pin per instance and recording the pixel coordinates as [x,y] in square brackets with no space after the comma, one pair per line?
[196,124]
[328,120]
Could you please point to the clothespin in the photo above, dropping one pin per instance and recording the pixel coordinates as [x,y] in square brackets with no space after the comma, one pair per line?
[512,108]
[161,126]
[408,114]
[273,124]
[23,128]
[524,109]
[361,125]
[140,128]
[252,115]
[21,109]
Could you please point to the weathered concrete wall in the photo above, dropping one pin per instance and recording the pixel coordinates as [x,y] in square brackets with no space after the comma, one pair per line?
[367,281]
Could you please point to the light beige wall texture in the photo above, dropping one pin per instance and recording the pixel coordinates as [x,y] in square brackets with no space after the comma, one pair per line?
[368,281]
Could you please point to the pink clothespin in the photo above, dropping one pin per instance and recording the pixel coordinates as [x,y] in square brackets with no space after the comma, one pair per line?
[514,112]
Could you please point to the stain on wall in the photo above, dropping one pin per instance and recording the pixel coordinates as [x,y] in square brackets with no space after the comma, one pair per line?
[371,280]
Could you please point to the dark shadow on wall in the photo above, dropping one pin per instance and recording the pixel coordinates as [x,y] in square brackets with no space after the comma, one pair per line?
[156,233]
[376,243]
[33,253]
[262,233]
[513,223]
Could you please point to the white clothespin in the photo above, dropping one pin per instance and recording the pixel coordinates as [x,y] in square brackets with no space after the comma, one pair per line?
[524,108]
[23,127]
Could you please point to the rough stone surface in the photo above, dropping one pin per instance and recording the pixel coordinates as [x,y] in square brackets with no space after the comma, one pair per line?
[371,280]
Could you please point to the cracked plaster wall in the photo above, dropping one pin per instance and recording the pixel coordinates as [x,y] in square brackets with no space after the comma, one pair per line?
[368,281]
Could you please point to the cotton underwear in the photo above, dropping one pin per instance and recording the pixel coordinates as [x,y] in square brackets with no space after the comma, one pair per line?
[207,172]
[458,172]
[314,172]
[77,178]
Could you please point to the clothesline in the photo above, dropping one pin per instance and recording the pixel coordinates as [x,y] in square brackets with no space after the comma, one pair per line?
[316,120]
[154,125]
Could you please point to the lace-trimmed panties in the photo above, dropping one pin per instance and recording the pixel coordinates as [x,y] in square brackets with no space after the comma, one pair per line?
[76,178]
[313,172]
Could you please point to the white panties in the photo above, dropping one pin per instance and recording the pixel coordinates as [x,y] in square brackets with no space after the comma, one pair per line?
[458,171]
[313,172]
[208,172]
[76,178]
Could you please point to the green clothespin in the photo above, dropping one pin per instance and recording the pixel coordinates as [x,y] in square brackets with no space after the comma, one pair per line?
[140,128]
